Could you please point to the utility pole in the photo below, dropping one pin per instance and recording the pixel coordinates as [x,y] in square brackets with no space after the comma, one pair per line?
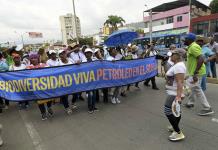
[150,28]
[75,22]
[190,14]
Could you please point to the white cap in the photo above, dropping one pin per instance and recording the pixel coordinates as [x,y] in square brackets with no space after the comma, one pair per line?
[51,51]
[129,45]
[169,54]
[61,51]
[88,50]
[19,47]
[96,50]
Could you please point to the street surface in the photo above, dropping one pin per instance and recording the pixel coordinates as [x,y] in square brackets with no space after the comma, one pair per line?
[138,123]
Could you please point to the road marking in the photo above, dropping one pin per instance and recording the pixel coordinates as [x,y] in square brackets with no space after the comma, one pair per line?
[36,139]
[215,120]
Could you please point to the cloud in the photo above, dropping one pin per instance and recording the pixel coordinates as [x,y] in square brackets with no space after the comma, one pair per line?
[43,15]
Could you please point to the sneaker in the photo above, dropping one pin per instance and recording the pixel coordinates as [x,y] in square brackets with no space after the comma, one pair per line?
[50,112]
[118,101]
[205,112]
[113,100]
[189,105]
[176,136]
[44,117]
[91,111]
[96,109]
[69,111]
[170,128]
[74,106]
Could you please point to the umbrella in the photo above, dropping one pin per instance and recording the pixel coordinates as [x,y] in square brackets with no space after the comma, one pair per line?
[121,37]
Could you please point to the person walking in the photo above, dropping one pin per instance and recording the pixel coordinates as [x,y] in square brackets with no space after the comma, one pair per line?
[208,56]
[196,70]
[175,77]
[214,47]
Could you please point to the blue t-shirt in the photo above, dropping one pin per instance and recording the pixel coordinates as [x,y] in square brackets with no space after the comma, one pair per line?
[3,66]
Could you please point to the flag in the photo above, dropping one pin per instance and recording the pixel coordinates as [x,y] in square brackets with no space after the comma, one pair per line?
[35,35]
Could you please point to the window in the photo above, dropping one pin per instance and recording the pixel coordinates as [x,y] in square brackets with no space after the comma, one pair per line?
[179,19]
[214,26]
[202,27]
[146,25]
[169,20]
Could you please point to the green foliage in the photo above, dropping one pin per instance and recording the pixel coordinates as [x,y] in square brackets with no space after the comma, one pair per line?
[214,6]
[140,31]
[82,41]
[114,21]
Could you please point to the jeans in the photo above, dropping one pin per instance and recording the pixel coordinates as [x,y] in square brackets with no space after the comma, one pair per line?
[197,93]
[42,107]
[213,68]
[64,100]
[2,102]
[105,92]
[204,83]
[153,82]
[116,92]
[91,99]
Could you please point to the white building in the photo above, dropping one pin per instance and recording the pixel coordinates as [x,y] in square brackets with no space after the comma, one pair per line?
[68,27]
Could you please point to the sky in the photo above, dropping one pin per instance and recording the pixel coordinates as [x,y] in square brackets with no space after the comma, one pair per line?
[20,16]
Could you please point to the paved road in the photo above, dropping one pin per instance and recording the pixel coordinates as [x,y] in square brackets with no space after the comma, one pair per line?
[136,124]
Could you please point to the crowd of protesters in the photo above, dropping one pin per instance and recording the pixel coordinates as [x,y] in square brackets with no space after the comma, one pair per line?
[200,52]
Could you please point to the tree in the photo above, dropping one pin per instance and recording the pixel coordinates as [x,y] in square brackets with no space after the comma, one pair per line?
[114,22]
[82,41]
[214,6]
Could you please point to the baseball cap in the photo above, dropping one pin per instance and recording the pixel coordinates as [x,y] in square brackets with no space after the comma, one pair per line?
[51,51]
[19,47]
[88,50]
[190,36]
[96,50]
[61,51]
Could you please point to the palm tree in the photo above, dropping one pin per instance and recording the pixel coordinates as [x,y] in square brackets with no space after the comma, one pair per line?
[114,22]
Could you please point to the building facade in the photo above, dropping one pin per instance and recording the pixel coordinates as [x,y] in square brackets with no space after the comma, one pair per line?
[206,25]
[68,27]
[176,17]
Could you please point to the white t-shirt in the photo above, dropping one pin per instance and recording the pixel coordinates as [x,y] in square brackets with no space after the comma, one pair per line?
[52,63]
[110,58]
[134,56]
[63,64]
[14,68]
[78,57]
[171,73]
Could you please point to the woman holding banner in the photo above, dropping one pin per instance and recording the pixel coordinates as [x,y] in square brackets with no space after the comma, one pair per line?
[113,57]
[34,64]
